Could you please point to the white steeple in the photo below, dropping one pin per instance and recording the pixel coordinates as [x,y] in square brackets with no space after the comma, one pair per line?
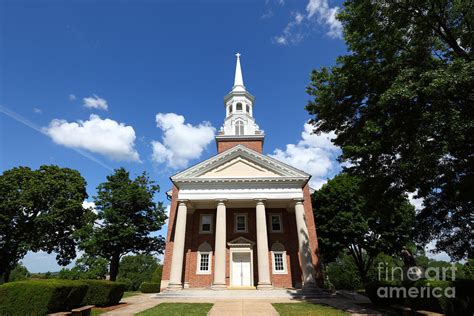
[239,121]
[239,80]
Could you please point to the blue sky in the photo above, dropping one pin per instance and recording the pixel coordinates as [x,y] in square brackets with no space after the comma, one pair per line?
[81,83]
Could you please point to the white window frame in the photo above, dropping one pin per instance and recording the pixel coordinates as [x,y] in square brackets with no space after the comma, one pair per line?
[198,265]
[239,128]
[271,224]
[212,224]
[246,223]
[283,257]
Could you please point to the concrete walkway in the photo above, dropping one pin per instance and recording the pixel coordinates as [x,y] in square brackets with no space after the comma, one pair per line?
[236,306]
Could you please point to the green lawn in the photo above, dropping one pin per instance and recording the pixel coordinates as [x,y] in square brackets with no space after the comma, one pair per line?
[177,309]
[131,293]
[307,309]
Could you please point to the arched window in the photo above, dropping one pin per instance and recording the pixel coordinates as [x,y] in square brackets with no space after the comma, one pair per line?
[239,128]
[230,109]
[239,107]
[279,258]
[248,108]
[204,259]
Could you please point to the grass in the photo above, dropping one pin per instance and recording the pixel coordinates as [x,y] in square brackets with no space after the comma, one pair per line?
[307,309]
[131,293]
[95,312]
[177,309]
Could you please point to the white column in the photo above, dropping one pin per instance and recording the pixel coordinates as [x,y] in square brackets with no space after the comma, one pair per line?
[220,248]
[178,247]
[262,248]
[307,266]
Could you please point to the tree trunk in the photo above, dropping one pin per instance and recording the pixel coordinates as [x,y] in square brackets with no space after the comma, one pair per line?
[114,267]
[6,276]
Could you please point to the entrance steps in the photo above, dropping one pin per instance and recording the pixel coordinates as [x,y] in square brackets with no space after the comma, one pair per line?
[248,294]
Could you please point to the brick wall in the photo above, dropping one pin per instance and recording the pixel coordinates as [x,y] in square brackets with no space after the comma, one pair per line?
[223,145]
[169,242]
[313,239]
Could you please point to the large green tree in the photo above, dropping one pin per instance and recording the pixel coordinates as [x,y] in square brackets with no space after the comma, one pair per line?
[126,215]
[401,105]
[40,210]
[351,219]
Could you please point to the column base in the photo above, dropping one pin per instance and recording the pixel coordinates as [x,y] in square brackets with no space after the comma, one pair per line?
[264,287]
[174,287]
[218,287]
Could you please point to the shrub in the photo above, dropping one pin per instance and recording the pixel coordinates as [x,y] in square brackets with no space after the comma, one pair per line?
[40,297]
[136,269]
[371,289]
[103,293]
[156,276]
[342,274]
[150,287]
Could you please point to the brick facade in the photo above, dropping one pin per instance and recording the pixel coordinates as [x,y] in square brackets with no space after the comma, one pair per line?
[288,237]
[223,145]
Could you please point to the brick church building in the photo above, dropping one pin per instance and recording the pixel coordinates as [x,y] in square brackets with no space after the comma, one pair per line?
[240,219]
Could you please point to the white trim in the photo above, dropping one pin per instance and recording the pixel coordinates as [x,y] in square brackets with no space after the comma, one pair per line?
[212,224]
[245,215]
[198,265]
[270,222]
[283,254]
[272,164]
[244,193]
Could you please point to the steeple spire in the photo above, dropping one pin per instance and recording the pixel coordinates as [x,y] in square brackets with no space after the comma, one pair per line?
[239,80]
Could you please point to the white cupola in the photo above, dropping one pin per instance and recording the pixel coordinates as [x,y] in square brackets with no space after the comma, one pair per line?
[238,103]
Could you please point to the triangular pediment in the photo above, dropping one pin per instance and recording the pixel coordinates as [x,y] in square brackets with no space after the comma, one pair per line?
[243,163]
[241,242]
[239,167]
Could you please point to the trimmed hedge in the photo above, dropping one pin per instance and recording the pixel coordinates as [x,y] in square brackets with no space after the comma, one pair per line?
[40,297]
[103,293]
[150,287]
[371,289]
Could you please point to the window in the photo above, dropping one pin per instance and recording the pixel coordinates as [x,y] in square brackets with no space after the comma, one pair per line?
[275,223]
[204,262]
[279,258]
[206,224]
[204,257]
[230,109]
[241,223]
[248,108]
[239,107]
[239,128]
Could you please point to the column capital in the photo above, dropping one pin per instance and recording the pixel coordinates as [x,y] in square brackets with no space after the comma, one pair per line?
[260,201]
[180,201]
[298,201]
[221,201]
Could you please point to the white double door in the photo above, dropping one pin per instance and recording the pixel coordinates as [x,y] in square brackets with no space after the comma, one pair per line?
[241,269]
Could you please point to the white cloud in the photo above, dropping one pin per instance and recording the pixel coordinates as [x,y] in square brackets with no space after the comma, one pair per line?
[103,136]
[72,97]
[95,102]
[37,110]
[317,11]
[89,205]
[314,154]
[292,33]
[417,203]
[181,142]
[325,15]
